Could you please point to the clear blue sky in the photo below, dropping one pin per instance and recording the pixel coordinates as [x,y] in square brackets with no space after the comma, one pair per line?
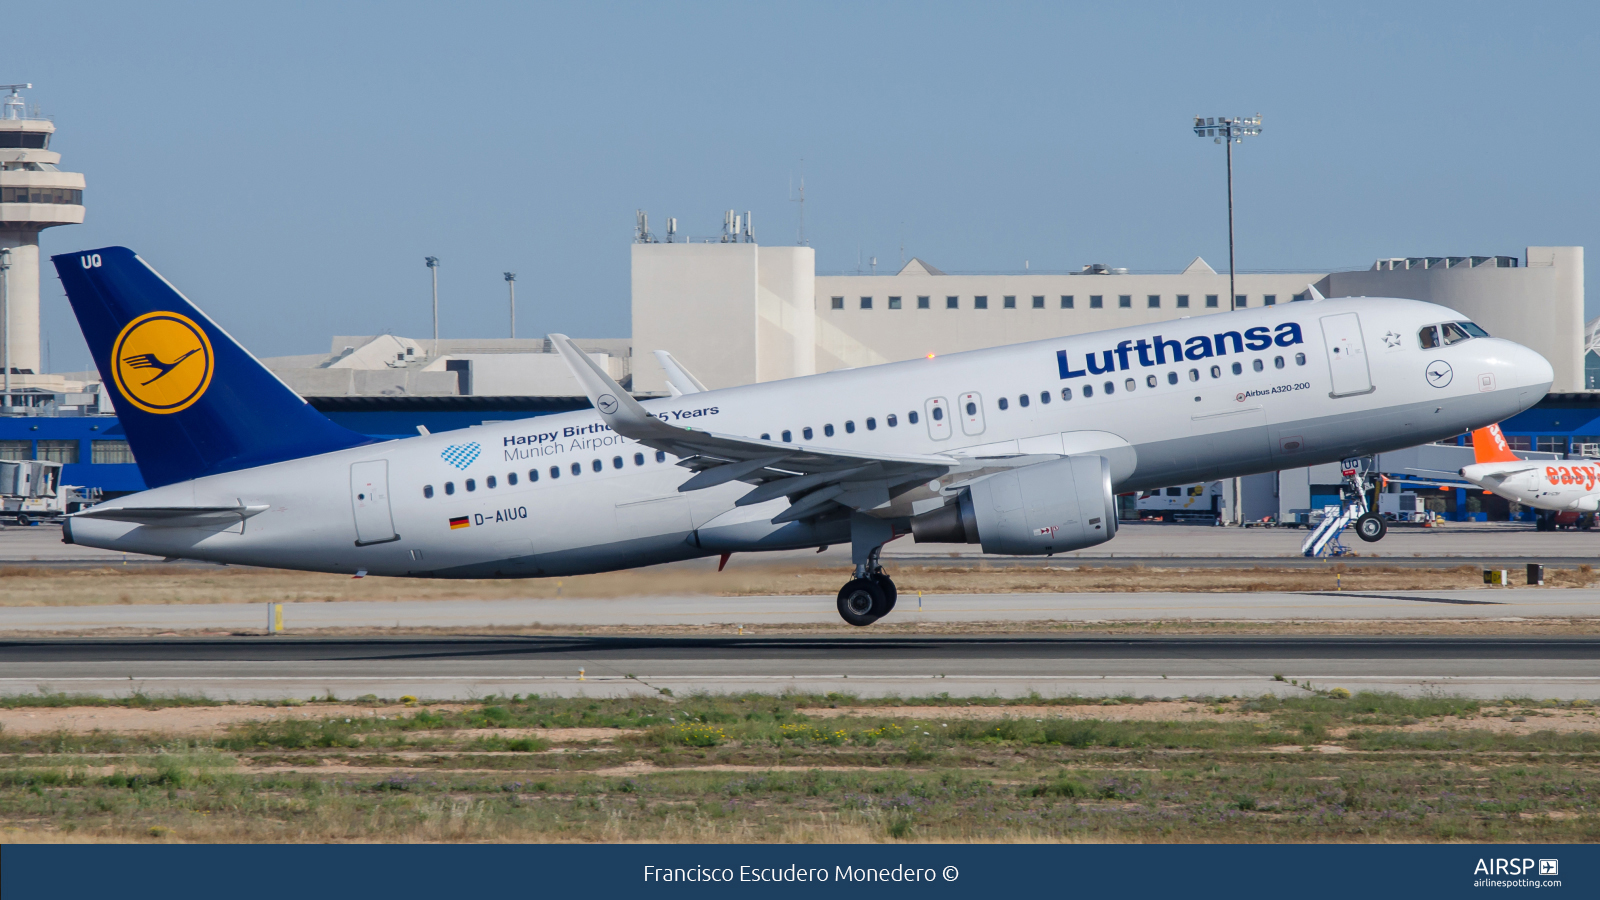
[288,166]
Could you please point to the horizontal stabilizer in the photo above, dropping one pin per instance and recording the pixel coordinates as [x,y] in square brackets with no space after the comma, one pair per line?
[172,516]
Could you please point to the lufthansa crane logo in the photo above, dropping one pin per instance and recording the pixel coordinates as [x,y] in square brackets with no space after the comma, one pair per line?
[162,362]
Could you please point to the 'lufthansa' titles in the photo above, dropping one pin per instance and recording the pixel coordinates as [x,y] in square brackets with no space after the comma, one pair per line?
[1160,351]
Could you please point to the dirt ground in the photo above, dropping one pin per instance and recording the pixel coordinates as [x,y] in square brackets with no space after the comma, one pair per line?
[210,721]
[41,586]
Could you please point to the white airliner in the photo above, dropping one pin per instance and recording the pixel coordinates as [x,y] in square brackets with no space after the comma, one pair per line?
[1542,484]
[1020,448]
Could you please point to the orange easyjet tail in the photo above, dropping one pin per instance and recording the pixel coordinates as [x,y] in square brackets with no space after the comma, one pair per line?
[1489,445]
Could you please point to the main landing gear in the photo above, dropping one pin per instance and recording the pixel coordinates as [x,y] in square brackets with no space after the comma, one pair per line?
[870,595]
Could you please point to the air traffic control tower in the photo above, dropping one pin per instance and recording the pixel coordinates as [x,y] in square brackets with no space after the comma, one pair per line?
[34,195]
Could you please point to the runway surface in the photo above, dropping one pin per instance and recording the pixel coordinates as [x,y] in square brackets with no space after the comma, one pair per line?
[462,668]
[770,610]
[1455,544]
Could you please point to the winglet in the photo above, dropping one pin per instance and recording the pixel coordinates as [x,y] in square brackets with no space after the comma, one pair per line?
[679,378]
[1489,445]
[616,406]
[1315,294]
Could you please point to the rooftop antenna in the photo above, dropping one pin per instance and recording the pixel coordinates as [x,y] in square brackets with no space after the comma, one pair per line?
[800,235]
[14,107]
[641,228]
[874,265]
[433,269]
[749,228]
[672,229]
[511,282]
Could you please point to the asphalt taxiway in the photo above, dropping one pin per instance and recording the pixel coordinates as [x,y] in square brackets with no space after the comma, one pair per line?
[866,665]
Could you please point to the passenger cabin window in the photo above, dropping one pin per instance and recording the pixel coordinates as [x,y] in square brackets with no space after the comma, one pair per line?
[511,478]
[596,465]
[788,436]
[1194,374]
[1088,390]
[1150,381]
[938,414]
[1044,396]
[661,456]
[472,485]
[1453,333]
[806,432]
[892,420]
[1258,365]
[638,459]
[849,426]
[1216,371]
[533,474]
[827,431]
[1429,337]
[616,462]
[912,417]
[1003,405]
[1129,384]
[577,468]
[490,482]
[1109,388]
[1299,359]
[872,424]
[1022,400]
[1237,368]
[1172,378]
[427,491]
[449,488]
[1066,394]
[972,408]
[555,471]
[1277,362]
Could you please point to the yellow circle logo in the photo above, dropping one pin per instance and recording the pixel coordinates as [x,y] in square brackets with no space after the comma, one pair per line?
[162,362]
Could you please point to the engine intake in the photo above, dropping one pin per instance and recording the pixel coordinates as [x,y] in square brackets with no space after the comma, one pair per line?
[1052,507]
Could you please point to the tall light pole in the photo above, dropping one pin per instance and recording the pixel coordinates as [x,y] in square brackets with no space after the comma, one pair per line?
[511,284]
[5,314]
[1228,132]
[433,267]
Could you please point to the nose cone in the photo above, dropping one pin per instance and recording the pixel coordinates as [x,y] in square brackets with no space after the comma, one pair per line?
[1525,367]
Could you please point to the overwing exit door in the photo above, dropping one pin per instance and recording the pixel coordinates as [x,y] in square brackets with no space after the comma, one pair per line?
[369,497]
[1347,355]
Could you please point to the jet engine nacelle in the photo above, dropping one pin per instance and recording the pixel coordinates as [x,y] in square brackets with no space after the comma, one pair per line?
[1052,507]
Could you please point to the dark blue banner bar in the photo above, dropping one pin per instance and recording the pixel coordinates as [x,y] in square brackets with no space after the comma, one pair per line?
[274,872]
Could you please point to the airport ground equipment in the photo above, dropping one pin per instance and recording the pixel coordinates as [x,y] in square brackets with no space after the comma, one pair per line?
[31,491]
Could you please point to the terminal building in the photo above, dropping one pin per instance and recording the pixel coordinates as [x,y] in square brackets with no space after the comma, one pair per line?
[734,311]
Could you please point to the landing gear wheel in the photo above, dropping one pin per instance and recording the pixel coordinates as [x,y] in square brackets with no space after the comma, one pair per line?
[886,585]
[860,602]
[1371,527]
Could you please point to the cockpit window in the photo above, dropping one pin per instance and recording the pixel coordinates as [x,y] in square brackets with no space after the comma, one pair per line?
[1453,333]
[1429,336]
[1473,330]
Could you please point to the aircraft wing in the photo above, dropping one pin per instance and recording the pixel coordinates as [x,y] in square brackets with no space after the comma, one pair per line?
[814,479]
[679,379]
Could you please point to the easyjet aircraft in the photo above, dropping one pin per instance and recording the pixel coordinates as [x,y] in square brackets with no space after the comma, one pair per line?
[1542,484]
[1021,448]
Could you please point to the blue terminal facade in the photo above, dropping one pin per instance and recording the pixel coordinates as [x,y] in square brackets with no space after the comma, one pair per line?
[93,448]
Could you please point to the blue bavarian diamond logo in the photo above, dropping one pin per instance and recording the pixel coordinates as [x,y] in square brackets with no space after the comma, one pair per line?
[461,455]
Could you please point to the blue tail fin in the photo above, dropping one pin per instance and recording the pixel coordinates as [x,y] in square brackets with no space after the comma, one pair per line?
[192,401]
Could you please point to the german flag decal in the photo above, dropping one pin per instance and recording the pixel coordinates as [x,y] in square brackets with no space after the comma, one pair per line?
[460,522]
